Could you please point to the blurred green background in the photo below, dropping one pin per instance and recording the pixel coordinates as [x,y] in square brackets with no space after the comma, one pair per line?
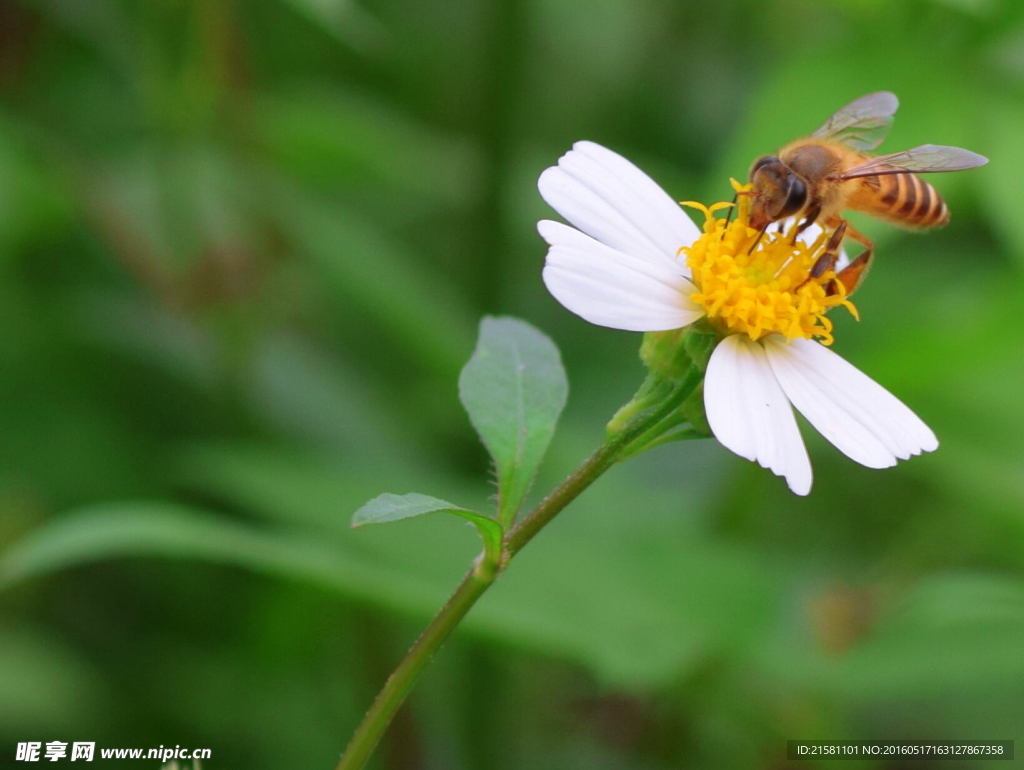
[244,248]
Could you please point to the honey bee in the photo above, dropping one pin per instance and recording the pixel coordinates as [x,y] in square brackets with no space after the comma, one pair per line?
[822,175]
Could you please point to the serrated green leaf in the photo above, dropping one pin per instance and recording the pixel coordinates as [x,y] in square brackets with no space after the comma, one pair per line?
[387,508]
[514,389]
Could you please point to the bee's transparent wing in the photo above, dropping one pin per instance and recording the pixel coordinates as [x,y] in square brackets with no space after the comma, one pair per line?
[862,124]
[928,158]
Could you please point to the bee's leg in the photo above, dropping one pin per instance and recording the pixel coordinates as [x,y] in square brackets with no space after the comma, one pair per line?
[810,217]
[828,257]
[728,219]
[853,274]
[759,237]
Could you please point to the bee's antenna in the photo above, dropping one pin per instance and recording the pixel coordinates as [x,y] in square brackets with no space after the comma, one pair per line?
[759,237]
[728,219]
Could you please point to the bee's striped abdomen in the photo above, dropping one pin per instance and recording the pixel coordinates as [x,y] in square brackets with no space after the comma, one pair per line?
[910,201]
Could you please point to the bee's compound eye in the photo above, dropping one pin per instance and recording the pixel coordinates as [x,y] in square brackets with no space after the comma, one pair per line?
[796,196]
[797,191]
[760,163]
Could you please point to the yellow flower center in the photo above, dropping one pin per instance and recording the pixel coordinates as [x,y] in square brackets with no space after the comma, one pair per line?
[762,289]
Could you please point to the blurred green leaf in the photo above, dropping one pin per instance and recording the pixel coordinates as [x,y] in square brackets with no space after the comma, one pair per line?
[341,140]
[47,681]
[34,202]
[166,530]
[301,389]
[371,275]
[344,19]
[580,603]
[1002,183]
[949,633]
[514,388]
[388,507]
[310,490]
[638,608]
[951,650]
[635,611]
[978,7]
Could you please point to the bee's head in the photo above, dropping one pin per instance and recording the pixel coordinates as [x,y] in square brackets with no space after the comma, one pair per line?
[778,192]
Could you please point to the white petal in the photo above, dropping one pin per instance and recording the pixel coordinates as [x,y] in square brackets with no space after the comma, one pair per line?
[610,288]
[606,196]
[860,417]
[810,235]
[749,413]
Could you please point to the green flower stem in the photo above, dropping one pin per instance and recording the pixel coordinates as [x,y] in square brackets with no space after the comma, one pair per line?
[479,579]
[652,392]
[683,434]
[403,679]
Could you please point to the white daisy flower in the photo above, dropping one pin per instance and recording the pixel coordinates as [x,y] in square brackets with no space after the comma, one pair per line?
[634,260]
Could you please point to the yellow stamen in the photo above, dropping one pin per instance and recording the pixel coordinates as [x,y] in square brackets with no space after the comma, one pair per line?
[767,291]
